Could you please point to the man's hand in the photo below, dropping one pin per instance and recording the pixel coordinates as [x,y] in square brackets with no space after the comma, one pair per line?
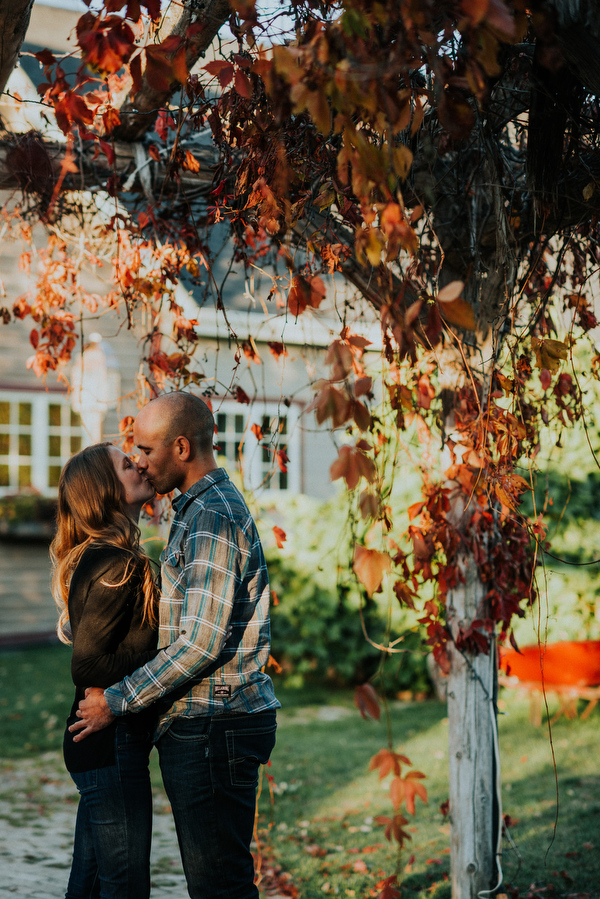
[94,713]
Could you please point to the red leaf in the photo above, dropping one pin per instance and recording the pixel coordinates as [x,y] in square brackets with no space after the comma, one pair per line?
[135,70]
[367,701]
[241,396]
[158,71]
[282,460]
[276,348]
[242,85]
[223,70]
[257,431]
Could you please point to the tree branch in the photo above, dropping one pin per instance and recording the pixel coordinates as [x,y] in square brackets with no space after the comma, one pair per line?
[139,114]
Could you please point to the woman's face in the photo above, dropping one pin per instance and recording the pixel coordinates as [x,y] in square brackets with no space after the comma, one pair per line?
[137,490]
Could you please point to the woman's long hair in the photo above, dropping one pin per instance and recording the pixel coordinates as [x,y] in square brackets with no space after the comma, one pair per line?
[91,510]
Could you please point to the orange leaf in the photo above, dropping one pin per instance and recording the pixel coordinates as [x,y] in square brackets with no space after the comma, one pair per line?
[280,536]
[459,313]
[370,566]
[387,762]
[191,163]
[180,69]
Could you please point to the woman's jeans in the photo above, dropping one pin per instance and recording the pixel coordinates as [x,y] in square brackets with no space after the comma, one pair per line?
[111,855]
[210,771]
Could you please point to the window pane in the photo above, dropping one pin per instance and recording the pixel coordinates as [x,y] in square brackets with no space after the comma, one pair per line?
[221,422]
[222,448]
[4,444]
[283,425]
[283,480]
[75,419]
[24,475]
[24,444]
[53,475]
[24,413]
[54,445]
[54,415]
[4,482]
[239,424]
[4,413]
[266,425]
[266,455]
[75,444]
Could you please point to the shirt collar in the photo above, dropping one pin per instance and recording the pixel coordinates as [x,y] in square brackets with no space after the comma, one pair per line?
[181,502]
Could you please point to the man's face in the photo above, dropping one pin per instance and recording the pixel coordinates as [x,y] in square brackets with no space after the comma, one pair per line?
[159,462]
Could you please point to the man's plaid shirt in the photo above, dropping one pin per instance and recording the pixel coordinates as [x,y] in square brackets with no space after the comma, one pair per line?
[214,577]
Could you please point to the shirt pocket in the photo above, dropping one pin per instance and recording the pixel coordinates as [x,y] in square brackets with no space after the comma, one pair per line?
[172,555]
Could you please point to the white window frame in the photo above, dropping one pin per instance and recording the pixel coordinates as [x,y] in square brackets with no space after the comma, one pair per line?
[40,430]
[248,458]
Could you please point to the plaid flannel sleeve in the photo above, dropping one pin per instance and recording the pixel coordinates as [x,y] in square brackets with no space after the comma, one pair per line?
[216,556]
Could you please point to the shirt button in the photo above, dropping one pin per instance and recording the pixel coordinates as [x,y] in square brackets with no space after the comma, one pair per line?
[184,632]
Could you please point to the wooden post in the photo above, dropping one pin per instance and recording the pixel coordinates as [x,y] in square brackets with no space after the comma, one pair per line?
[474,810]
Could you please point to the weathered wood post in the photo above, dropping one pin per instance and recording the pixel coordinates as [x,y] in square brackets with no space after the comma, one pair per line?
[472,743]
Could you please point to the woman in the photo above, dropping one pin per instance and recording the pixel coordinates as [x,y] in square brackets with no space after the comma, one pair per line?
[104,588]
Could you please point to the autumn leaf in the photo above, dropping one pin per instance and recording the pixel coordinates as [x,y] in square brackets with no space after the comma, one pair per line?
[549,353]
[191,163]
[223,70]
[368,504]
[413,788]
[394,828]
[367,701]
[454,308]
[242,84]
[388,762]
[334,404]
[280,536]
[305,292]
[276,348]
[388,886]
[352,465]
[241,396]
[281,457]
[370,566]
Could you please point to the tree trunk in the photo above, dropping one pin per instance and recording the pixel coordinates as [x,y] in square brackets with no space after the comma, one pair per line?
[14,19]
[473,761]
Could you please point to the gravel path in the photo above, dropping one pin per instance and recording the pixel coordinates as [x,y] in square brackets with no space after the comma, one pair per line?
[38,803]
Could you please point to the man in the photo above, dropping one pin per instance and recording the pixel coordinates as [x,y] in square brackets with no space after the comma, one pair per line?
[217,721]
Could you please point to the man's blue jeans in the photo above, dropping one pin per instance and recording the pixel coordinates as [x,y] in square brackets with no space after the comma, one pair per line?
[111,854]
[210,771]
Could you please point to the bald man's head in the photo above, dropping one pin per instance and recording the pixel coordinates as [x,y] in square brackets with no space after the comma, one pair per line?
[183,414]
[174,434]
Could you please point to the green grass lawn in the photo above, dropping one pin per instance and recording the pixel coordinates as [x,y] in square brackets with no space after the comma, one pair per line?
[320,826]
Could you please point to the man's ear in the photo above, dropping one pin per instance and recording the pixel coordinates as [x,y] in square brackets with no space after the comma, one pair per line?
[183,448]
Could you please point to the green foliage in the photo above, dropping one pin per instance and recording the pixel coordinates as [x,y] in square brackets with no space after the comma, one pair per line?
[324,626]
[36,694]
[317,632]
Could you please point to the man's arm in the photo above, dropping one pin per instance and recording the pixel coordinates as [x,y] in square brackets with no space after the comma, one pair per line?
[94,713]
